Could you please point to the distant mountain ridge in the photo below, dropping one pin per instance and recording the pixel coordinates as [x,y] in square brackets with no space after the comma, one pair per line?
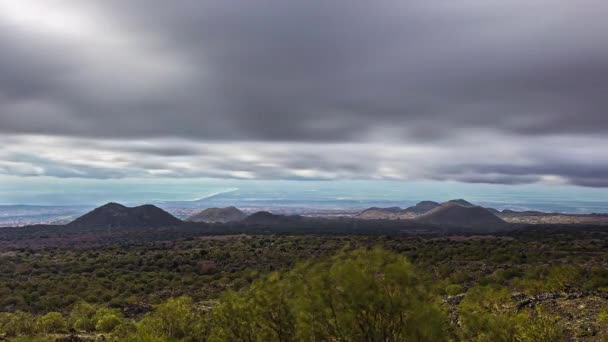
[114,215]
[457,212]
[461,202]
[393,213]
[385,214]
[423,207]
[265,217]
[114,222]
[453,213]
[223,215]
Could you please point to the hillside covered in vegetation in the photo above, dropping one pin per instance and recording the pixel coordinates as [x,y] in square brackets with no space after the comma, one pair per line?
[518,286]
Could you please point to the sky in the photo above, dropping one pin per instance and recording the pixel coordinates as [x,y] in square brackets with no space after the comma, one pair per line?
[470,92]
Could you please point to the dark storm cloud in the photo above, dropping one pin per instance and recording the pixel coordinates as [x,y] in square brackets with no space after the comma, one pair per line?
[165,151]
[316,70]
[406,72]
[590,176]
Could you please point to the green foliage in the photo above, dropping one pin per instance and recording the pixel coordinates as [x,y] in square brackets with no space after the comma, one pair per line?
[52,322]
[454,289]
[366,295]
[486,315]
[18,323]
[598,279]
[260,314]
[538,326]
[370,295]
[125,330]
[81,317]
[263,297]
[561,276]
[106,319]
[602,319]
[85,317]
[54,278]
[175,319]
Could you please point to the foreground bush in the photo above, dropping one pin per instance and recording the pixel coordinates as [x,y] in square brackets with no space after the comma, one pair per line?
[488,314]
[174,320]
[52,322]
[538,326]
[15,324]
[355,296]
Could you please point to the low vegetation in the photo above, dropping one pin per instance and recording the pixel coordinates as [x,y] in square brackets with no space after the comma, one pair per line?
[300,288]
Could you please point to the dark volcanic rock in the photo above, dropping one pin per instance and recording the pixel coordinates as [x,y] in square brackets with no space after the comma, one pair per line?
[136,310]
[375,213]
[423,207]
[223,215]
[454,300]
[262,216]
[454,214]
[493,211]
[530,302]
[73,338]
[461,202]
[114,215]
[265,217]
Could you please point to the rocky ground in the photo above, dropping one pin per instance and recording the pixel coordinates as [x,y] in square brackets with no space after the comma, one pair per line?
[582,313]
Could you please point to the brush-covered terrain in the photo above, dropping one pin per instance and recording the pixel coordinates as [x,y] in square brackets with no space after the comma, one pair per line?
[533,284]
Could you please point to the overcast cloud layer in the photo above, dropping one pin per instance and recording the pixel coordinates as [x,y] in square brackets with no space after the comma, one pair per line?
[475,90]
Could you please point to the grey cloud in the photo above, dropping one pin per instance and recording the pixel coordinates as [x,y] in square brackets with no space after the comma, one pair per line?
[167,151]
[317,70]
[528,161]
[181,89]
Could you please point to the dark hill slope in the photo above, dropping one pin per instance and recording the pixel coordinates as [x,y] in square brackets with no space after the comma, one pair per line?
[456,215]
[423,207]
[114,215]
[267,218]
[375,213]
[212,215]
[461,202]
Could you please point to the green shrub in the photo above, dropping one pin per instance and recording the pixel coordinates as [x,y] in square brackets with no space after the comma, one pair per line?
[561,276]
[454,289]
[81,317]
[176,319]
[538,326]
[261,314]
[486,314]
[15,324]
[370,295]
[52,322]
[598,279]
[108,323]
